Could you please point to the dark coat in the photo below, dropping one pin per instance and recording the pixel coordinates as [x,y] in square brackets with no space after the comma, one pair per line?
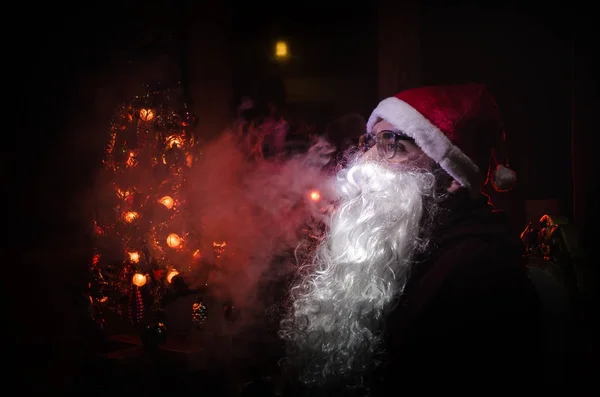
[470,318]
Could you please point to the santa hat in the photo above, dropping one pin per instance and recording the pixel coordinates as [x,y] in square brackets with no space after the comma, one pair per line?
[458,126]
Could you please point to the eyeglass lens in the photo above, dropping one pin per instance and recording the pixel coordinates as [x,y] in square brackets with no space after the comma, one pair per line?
[386,144]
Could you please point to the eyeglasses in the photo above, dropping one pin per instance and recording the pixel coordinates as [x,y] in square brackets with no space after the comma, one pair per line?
[389,143]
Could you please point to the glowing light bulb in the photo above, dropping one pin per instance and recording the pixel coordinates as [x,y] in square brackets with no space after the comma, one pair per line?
[167,201]
[189,160]
[170,276]
[134,257]
[173,240]
[131,161]
[146,114]
[139,279]
[130,216]
[219,248]
[281,49]
[315,195]
[174,141]
[123,194]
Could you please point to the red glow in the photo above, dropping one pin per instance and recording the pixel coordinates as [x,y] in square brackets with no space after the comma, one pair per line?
[315,195]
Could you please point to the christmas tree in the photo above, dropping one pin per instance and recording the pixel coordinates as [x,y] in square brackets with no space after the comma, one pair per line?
[143,239]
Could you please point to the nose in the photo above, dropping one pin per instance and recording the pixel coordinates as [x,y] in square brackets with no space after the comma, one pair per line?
[371,154]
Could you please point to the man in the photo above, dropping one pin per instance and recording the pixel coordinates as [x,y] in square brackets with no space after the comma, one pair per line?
[419,285]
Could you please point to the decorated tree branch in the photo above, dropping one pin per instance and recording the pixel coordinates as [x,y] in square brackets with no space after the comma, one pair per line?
[143,237]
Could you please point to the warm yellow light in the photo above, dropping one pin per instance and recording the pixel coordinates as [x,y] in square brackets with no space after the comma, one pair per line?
[139,279]
[281,49]
[174,141]
[123,194]
[219,248]
[134,257]
[131,160]
[173,240]
[315,195]
[167,201]
[130,216]
[170,276]
[146,114]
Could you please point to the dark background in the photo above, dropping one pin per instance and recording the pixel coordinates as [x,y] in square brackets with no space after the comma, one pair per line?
[69,66]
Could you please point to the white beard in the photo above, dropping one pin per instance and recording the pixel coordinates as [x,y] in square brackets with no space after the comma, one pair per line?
[333,327]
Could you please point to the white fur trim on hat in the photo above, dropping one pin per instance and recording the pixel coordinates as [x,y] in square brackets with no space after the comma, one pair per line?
[430,139]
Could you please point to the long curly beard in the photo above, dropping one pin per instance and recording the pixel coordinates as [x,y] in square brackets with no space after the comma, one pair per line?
[333,328]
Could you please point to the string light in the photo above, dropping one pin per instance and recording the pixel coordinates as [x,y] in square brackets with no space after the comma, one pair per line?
[281,50]
[134,257]
[130,216]
[139,279]
[167,201]
[173,240]
[146,114]
[170,276]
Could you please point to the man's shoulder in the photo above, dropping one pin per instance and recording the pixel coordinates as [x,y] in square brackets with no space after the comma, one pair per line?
[481,236]
[477,256]
[475,247]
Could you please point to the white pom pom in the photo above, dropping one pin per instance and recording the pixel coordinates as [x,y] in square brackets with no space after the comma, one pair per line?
[503,179]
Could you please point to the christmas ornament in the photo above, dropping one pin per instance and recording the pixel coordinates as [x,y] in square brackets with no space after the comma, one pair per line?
[136,306]
[199,313]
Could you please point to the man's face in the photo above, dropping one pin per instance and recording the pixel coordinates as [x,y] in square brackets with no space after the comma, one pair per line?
[395,147]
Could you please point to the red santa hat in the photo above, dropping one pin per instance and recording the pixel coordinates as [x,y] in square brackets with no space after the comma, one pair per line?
[458,126]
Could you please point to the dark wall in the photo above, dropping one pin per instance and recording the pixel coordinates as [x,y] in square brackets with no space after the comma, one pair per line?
[541,65]
[526,62]
[331,43]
